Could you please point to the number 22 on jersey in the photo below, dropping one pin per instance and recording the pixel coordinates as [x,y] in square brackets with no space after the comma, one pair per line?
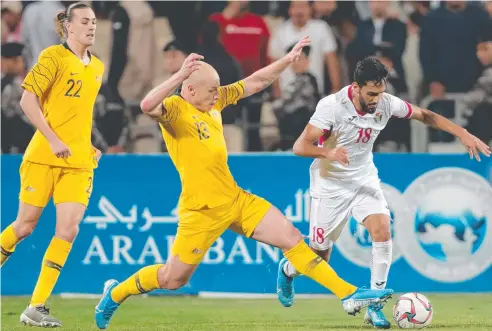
[74,87]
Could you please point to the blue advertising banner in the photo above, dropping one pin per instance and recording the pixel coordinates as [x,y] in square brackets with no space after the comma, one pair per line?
[441,206]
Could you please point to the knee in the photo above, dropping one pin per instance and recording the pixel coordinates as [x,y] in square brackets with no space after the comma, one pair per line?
[382,232]
[67,232]
[292,238]
[24,227]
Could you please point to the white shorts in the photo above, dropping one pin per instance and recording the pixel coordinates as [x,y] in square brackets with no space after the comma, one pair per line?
[329,215]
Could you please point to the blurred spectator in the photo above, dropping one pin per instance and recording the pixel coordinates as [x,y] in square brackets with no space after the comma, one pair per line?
[110,131]
[323,46]
[133,50]
[245,36]
[11,27]
[174,55]
[38,28]
[448,40]
[383,37]
[229,72]
[421,8]
[297,103]
[488,7]
[479,99]
[184,20]
[16,129]
[342,18]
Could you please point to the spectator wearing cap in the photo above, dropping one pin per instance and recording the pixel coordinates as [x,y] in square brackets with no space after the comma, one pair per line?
[298,102]
[16,129]
[229,72]
[479,99]
[175,53]
[380,36]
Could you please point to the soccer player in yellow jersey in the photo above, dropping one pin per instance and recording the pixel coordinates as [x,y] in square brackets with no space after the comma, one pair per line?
[211,201]
[59,96]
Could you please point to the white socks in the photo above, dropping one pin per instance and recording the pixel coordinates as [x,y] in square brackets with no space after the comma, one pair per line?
[382,256]
[290,271]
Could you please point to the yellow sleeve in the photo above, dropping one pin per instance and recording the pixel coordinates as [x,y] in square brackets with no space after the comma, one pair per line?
[43,74]
[230,95]
[172,109]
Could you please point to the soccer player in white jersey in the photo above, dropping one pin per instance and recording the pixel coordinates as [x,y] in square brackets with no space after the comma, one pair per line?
[344,180]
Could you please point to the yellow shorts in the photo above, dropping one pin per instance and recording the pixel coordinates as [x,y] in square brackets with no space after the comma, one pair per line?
[199,229]
[39,182]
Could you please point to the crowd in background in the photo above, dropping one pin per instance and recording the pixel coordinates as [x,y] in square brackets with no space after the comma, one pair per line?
[432,48]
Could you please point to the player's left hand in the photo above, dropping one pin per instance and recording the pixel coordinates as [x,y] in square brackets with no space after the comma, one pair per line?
[98,154]
[474,146]
[297,49]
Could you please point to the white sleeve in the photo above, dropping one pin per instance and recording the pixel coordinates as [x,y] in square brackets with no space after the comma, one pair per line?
[275,48]
[324,116]
[328,42]
[399,108]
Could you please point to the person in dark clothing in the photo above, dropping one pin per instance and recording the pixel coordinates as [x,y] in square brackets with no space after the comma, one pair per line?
[133,50]
[110,130]
[298,102]
[227,67]
[448,40]
[479,99]
[119,56]
[16,128]
[380,33]
[175,52]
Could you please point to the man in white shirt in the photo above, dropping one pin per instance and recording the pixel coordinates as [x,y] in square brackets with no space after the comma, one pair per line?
[344,179]
[323,46]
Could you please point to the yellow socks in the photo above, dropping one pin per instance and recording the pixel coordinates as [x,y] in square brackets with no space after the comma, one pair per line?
[143,281]
[8,240]
[313,266]
[53,262]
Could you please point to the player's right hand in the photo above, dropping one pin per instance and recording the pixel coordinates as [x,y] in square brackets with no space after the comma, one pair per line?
[60,149]
[190,64]
[339,154]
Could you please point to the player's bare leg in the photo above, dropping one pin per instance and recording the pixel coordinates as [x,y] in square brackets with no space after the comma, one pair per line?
[379,228]
[23,226]
[170,276]
[276,230]
[68,218]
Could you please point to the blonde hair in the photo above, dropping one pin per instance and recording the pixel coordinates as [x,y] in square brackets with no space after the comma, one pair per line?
[65,16]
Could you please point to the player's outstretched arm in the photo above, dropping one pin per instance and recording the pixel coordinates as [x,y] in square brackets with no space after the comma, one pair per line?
[264,77]
[474,145]
[30,106]
[152,103]
[304,146]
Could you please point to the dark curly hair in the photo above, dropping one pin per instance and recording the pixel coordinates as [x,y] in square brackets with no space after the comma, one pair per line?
[370,70]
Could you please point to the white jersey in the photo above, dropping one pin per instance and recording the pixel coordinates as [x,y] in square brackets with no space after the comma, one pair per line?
[356,132]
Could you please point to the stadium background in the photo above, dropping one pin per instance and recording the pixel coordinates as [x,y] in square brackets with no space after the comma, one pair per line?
[130,222]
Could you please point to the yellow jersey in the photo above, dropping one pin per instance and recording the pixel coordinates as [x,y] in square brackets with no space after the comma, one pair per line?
[67,90]
[196,145]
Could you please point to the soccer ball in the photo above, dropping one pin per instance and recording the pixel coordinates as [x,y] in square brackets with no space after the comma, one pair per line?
[412,311]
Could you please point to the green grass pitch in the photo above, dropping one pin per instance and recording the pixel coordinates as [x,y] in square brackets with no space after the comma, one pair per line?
[451,313]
